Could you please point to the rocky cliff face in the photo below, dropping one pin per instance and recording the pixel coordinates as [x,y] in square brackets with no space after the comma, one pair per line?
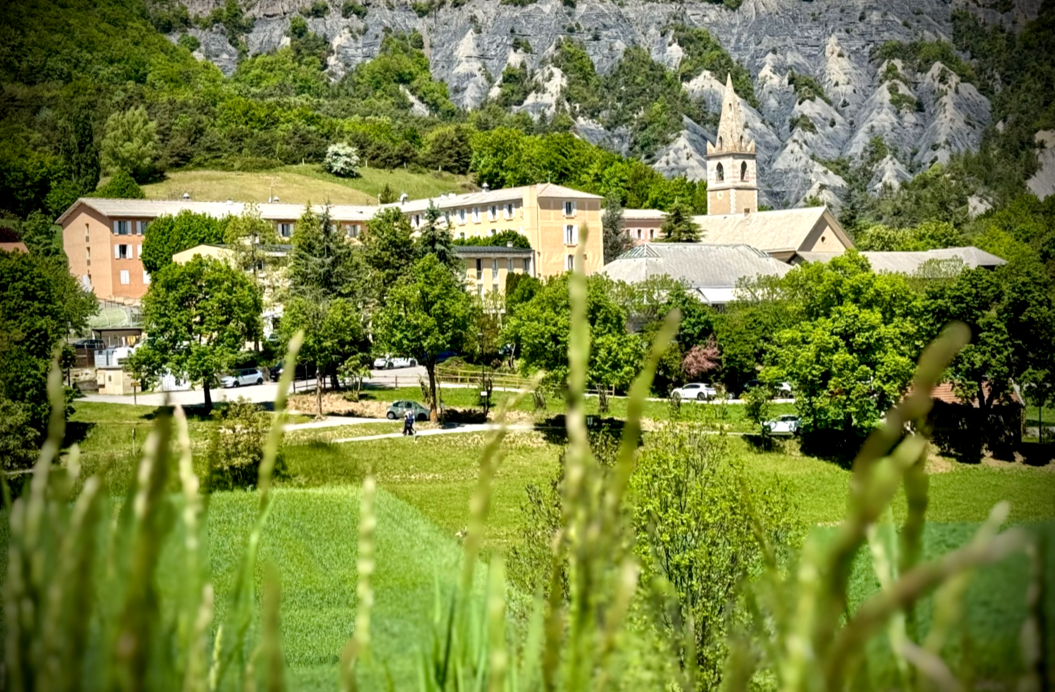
[923,116]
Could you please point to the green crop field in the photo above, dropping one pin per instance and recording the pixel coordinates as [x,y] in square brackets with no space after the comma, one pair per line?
[301,184]
[423,502]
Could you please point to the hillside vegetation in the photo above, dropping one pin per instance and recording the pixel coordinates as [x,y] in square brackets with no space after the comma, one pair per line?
[301,184]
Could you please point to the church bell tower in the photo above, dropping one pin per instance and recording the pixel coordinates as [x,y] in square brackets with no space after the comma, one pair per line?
[732,186]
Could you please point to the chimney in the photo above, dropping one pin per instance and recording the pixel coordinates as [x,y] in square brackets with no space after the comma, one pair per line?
[403,199]
[486,187]
[186,195]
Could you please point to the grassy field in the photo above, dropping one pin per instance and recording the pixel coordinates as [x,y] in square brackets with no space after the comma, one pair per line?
[423,502]
[301,184]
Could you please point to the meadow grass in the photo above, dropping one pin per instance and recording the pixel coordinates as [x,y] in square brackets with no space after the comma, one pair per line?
[300,184]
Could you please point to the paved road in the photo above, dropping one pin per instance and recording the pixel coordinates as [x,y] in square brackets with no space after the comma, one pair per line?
[470,428]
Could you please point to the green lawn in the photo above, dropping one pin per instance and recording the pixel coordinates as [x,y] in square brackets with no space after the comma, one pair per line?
[300,184]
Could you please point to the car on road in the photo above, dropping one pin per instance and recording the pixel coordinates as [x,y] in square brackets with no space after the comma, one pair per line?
[303,372]
[784,426]
[781,389]
[695,390]
[397,410]
[390,362]
[242,376]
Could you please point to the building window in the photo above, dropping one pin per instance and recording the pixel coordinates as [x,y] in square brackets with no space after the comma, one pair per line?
[509,264]
[639,234]
[285,230]
[494,287]
[492,212]
[743,171]
[479,269]
[569,208]
[123,227]
[139,228]
[480,290]
[476,214]
[493,232]
[146,278]
[139,251]
[461,235]
[571,234]
[122,252]
[719,172]
[651,234]
[494,270]
[527,265]
[569,262]
[509,210]
[124,277]
[353,230]
[417,221]
[461,216]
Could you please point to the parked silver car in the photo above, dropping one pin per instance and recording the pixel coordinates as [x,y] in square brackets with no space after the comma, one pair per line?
[243,376]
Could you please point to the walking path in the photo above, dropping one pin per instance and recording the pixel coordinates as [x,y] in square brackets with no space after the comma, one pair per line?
[332,422]
[469,428]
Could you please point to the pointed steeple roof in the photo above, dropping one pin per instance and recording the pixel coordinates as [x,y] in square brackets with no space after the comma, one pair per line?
[731,137]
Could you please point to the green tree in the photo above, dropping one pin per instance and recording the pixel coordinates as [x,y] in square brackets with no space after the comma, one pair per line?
[679,227]
[322,262]
[435,238]
[386,196]
[32,324]
[41,235]
[131,144]
[427,312]
[1011,313]
[616,241]
[850,349]
[199,317]
[449,148]
[388,249]
[541,326]
[253,241]
[342,159]
[120,186]
[333,333]
[929,235]
[167,235]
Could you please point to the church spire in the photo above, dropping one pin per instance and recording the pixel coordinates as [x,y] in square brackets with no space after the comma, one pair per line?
[731,137]
[732,186]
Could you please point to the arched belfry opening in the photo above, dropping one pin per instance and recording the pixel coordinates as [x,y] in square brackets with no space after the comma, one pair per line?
[719,173]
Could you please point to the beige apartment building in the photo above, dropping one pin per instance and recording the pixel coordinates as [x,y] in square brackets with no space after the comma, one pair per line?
[549,216]
[103,238]
[643,225]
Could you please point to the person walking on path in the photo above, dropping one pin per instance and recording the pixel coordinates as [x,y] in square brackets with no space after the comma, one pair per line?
[408,422]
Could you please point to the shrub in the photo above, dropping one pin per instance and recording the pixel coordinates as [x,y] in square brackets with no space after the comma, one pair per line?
[317,9]
[694,517]
[131,144]
[189,42]
[236,446]
[18,439]
[342,160]
[500,239]
[120,186]
[351,7]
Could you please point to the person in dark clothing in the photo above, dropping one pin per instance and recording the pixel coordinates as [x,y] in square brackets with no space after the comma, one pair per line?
[408,422]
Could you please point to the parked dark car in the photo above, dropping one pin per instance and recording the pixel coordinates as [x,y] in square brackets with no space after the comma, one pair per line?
[304,372]
[94,344]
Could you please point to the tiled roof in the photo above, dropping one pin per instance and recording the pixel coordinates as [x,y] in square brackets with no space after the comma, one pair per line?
[944,392]
[153,208]
[486,197]
[771,231]
[711,269]
[910,262]
[643,214]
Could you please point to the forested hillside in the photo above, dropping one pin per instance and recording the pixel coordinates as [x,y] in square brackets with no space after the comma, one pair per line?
[845,105]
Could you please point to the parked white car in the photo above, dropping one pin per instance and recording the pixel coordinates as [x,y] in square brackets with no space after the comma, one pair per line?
[243,376]
[785,426]
[695,390]
[388,363]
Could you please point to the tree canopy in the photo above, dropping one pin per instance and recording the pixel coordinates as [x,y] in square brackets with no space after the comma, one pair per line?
[167,235]
[199,316]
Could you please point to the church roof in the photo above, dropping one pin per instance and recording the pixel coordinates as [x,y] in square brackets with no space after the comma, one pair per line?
[910,262]
[712,271]
[780,230]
